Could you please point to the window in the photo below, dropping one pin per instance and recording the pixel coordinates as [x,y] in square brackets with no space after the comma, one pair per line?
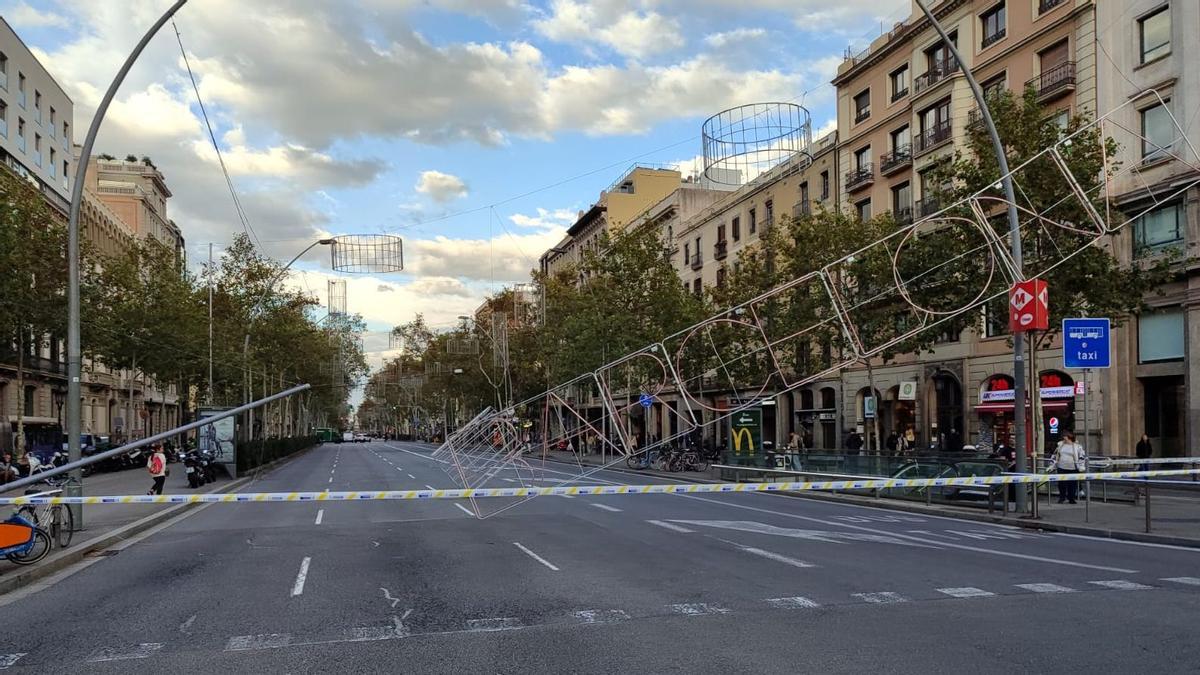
[935,116]
[992,87]
[3,119]
[901,139]
[1160,336]
[899,80]
[862,159]
[993,23]
[804,191]
[720,234]
[902,200]
[1054,56]
[51,126]
[753,221]
[21,88]
[21,133]
[687,254]
[721,277]
[770,205]
[824,185]
[938,57]
[862,105]
[30,396]
[3,70]
[66,171]
[735,227]
[37,105]
[1158,229]
[863,209]
[697,287]
[53,165]
[66,132]
[37,149]
[1155,33]
[1061,119]
[1158,132]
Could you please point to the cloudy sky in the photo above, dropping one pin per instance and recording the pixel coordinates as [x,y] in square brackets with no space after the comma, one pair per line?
[475,129]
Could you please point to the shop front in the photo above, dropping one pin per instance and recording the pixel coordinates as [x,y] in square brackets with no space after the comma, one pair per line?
[996,411]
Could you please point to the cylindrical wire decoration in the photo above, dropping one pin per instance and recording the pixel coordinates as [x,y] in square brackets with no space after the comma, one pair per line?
[368,253]
[744,142]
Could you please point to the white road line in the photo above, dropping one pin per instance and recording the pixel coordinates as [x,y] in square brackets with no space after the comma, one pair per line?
[881,598]
[7,660]
[298,587]
[508,480]
[567,496]
[777,557]
[142,651]
[966,592]
[697,609]
[606,507]
[412,476]
[498,623]
[600,616]
[331,479]
[1046,588]
[320,516]
[670,526]
[1121,585]
[1190,581]
[464,509]
[535,556]
[796,602]
[240,643]
[431,487]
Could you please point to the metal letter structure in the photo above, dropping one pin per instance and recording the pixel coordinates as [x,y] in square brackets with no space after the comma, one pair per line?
[814,326]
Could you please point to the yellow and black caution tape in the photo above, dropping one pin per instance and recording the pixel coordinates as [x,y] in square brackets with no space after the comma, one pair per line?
[677,488]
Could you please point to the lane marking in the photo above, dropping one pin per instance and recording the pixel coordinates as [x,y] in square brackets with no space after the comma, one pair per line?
[7,660]
[412,476]
[697,609]
[567,496]
[298,587]
[535,556]
[777,557]
[266,641]
[1046,588]
[606,507]
[183,627]
[142,651]
[387,595]
[430,487]
[494,624]
[1121,585]
[600,616]
[320,516]
[966,592]
[670,526]
[795,602]
[464,509]
[881,598]
[1190,581]
[331,479]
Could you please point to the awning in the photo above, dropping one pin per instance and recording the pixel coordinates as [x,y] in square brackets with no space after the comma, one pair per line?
[1007,406]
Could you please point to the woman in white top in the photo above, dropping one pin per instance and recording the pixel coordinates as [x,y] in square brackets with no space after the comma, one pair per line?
[1069,458]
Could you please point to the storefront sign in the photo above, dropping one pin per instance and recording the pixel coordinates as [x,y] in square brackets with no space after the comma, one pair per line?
[1001,395]
[908,391]
[745,431]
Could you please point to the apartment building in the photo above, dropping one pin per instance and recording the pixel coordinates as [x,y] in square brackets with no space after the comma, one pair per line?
[137,192]
[1154,386]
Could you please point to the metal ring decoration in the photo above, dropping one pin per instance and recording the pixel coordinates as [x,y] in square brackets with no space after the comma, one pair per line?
[901,285]
[679,362]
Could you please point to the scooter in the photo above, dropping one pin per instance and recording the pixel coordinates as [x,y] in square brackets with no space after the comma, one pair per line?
[193,470]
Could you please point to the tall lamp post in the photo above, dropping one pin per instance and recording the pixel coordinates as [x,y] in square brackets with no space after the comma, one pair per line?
[1014,233]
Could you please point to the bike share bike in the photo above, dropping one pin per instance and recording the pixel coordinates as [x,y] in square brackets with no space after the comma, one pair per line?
[27,535]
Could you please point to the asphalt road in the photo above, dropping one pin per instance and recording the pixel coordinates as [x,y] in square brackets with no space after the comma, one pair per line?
[647,583]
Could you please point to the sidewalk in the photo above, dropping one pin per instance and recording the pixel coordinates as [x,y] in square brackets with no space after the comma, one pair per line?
[1175,519]
[107,525]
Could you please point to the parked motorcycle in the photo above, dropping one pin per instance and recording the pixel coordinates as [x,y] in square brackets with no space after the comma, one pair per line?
[193,469]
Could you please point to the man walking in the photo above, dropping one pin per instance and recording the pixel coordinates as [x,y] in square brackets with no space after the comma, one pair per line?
[157,466]
[1069,458]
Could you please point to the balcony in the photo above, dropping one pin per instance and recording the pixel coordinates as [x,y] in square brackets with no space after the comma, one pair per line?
[1053,83]
[862,114]
[897,159]
[903,214]
[897,95]
[1047,5]
[697,261]
[926,207]
[720,250]
[989,40]
[937,72]
[860,177]
[932,138]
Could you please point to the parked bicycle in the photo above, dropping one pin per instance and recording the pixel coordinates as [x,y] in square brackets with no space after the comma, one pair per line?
[55,519]
[642,460]
[21,541]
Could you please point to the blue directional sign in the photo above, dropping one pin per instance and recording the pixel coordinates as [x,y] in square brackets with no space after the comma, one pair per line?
[1087,343]
[645,400]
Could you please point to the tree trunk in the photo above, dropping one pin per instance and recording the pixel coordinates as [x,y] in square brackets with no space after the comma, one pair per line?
[128,430]
[19,441]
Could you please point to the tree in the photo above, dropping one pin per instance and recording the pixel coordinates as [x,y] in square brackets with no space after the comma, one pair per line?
[33,279]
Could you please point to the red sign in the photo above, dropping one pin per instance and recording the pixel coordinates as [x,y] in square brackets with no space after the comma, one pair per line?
[1080,388]
[1028,306]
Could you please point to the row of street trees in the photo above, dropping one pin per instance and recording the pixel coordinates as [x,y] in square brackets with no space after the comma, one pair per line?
[631,295]
[145,313]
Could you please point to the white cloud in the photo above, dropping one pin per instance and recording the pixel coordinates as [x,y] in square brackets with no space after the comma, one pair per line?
[734,37]
[441,187]
[505,258]
[629,33]
[829,126]
[556,220]
[21,15]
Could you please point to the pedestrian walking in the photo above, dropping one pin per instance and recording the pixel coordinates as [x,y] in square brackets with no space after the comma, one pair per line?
[157,466]
[854,442]
[1069,458]
[910,440]
[1144,451]
[892,443]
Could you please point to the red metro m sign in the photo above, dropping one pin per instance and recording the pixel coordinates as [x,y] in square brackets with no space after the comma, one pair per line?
[1028,306]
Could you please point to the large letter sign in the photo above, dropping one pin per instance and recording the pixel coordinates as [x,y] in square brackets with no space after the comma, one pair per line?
[1028,306]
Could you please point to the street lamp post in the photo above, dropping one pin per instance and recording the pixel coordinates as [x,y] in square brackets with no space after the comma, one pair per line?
[74,346]
[1014,232]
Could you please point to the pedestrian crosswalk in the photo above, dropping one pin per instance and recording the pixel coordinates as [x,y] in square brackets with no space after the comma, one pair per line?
[406,626]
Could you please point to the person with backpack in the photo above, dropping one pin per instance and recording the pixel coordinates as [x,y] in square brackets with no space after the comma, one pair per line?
[157,466]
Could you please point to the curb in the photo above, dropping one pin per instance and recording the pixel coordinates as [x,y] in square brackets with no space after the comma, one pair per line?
[78,552]
[897,505]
